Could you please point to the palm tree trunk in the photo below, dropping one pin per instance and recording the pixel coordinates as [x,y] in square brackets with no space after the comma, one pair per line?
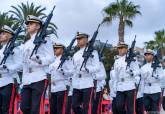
[121,29]
[162,52]
[162,49]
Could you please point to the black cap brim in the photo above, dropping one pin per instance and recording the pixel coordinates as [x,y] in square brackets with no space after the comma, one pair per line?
[33,21]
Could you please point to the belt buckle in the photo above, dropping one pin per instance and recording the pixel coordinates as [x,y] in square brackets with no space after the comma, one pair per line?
[122,79]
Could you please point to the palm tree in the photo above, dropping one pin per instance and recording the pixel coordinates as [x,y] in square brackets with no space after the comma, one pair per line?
[150,44]
[5,19]
[123,10]
[158,42]
[23,10]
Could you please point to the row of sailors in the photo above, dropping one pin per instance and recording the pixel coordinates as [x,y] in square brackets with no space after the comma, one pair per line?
[136,82]
[35,69]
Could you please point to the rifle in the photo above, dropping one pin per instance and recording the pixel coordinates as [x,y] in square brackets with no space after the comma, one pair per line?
[66,54]
[89,49]
[130,55]
[40,37]
[11,45]
[156,62]
[101,51]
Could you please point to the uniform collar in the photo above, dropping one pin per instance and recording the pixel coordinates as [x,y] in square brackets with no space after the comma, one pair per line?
[149,63]
[58,57]
[124,56]
[82,48]
[33,36]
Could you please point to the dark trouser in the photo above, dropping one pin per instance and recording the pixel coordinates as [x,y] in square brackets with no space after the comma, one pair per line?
[114,108]
[69,105]
[125,102]
[163,103]
[139,106]
[96,108]
[7,96]
[152,103]
[82,101]
[58,102]
[32,95]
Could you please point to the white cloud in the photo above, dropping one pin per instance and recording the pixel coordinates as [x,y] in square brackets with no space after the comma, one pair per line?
[84,15]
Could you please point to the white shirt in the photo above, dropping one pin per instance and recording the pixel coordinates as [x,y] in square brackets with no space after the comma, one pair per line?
[125,81]
[100,77]
[58,77]
[140,84]
[13,62]
[86,79]
[32,71]
[112,84]
[146,74]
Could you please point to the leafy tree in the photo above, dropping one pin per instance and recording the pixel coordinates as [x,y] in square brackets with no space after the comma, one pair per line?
[123,10]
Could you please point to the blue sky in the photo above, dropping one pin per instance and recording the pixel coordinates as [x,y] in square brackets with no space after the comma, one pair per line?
[84,15]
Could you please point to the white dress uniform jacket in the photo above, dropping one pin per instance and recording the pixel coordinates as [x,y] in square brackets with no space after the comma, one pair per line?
[83,79]
[151,83]
[112,84]
[13,62]
[140,86]
[59,76]
[124,80]
[32,71]
[100,77]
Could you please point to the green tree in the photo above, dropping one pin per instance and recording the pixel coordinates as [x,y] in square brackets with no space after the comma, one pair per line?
[158,42]
[123,10]
[5,19]
[24,9]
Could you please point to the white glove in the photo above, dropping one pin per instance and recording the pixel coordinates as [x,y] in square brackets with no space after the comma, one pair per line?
[130,72]
[36,58]
[60,70]
[33,64]
[84,70]
[155,75]
[4,69]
